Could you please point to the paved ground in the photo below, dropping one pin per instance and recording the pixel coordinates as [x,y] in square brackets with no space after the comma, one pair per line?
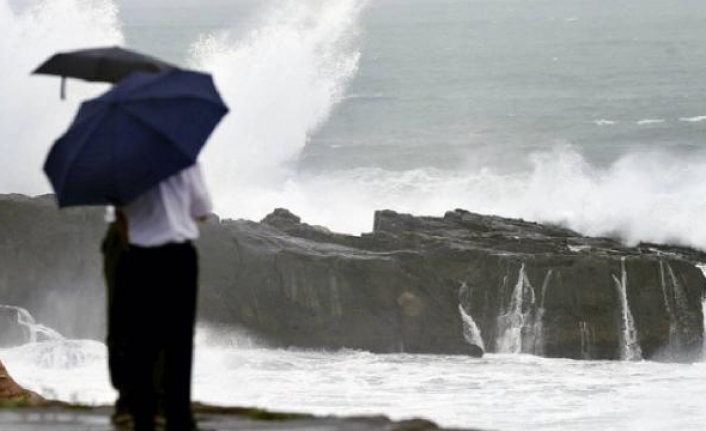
[98,419]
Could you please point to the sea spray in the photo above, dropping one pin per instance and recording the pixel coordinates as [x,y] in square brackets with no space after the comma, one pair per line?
[281,82]
[31,114]
[34,332]
[629,343]
[280,97]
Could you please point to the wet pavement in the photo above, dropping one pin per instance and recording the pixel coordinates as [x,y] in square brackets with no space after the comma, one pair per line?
[98,419]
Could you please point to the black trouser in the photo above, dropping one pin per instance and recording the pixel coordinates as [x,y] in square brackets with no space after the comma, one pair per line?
[152,307]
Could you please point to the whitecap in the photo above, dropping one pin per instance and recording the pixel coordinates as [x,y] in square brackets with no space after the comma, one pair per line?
[648,121]
[696,119]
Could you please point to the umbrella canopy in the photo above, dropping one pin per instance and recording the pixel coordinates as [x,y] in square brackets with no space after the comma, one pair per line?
[145,129]
[109,64]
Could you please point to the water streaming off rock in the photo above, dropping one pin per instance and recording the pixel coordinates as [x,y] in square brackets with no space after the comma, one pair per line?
[470,329]
[587,340]
[702,267]
[511,322]
[471,332]
[630,346]
[675,302]
[521,323]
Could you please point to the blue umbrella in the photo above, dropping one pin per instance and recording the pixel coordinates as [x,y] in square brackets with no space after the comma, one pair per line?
[146,128]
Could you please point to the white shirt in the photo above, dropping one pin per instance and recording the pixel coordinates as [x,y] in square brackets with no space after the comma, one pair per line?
[166,212]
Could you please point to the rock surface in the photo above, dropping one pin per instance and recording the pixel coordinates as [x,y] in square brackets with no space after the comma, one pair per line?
[441,285]
[76,418]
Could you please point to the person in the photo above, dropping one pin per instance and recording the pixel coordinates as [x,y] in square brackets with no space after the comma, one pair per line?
[151,271]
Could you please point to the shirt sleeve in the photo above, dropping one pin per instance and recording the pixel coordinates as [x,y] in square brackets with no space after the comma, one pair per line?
[201,204]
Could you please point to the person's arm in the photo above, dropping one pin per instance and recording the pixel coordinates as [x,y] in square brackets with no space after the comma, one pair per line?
[201,204]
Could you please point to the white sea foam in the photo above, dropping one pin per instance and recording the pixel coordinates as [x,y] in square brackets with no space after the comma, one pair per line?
[648,121]
[574,395]
[697,119]
[561,187]
[365,96]
[281,82]
[31,114]
[604,122]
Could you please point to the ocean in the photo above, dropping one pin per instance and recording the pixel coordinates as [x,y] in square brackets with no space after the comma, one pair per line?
[499,392]
[586,114]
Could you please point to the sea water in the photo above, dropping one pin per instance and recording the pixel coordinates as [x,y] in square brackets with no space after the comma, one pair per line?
[589,114]
[498,392]
[585,114]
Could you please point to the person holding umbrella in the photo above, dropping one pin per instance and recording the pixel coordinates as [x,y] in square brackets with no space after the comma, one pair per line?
[154,301]
[135,148]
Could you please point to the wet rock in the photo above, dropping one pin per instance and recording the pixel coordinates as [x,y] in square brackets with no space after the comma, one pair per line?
[414,425]
[12,333]
[444,285]
[475,351]
[51,263]
[528,287]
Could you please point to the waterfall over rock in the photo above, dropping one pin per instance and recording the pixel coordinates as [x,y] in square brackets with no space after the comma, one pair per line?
[521,323]
[676,305]
[630,346]
[515,319]
[702,267]
[587,340]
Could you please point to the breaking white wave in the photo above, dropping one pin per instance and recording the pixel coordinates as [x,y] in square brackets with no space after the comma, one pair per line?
[697,119]
[281,82]
[365,96]
[32,330]
[649,197]
[31,114]
[648,121]
[576,395]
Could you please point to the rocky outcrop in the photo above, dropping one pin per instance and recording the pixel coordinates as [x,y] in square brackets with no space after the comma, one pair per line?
[440,285]
[50,264]
[11,392]
[446,284]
